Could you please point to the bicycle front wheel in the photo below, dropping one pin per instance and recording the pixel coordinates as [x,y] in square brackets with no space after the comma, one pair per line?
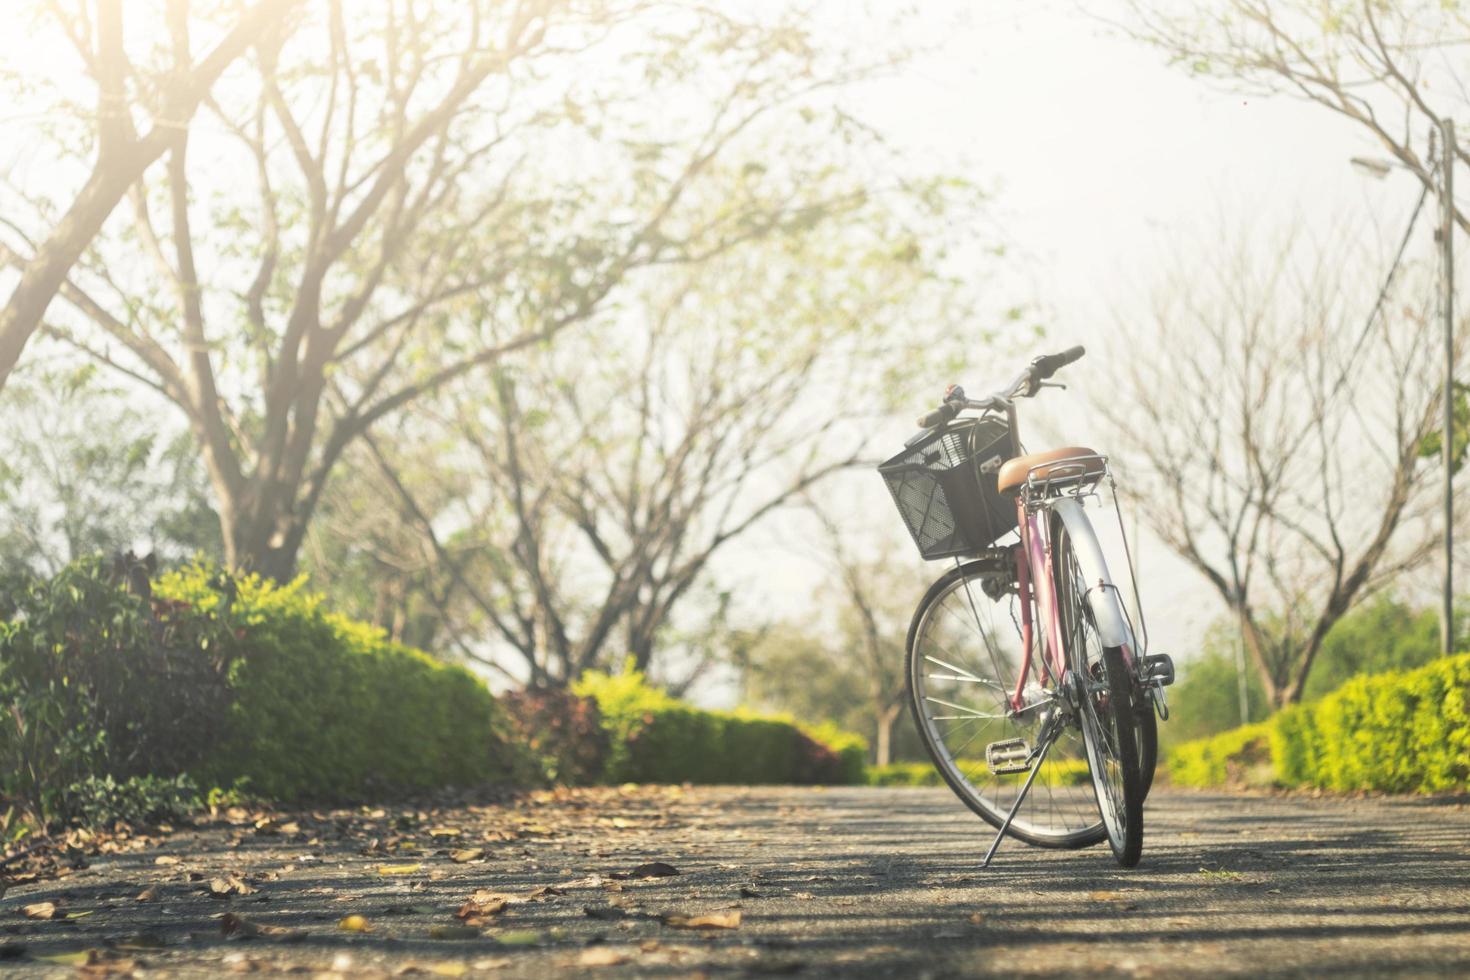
[964,663]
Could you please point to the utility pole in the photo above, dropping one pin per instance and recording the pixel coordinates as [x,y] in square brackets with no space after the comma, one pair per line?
[1447,439]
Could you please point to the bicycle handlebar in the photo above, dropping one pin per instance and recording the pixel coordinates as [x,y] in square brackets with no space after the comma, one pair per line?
[1048,364]
[1026,384]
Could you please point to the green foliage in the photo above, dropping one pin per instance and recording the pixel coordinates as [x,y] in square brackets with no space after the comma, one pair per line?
[97,682]
[1400,732]
[1069,772]
[657,739]
[110,698]
[86,467]
[325,707]
[1381,635]
[1433,443]
[1242,755]
[99,801]
[1206,698]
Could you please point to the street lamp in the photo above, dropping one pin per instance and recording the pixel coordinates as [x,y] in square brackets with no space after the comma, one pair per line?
[1379,169]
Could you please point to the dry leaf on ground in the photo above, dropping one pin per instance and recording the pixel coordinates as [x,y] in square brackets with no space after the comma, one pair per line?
[603,956]
[466,854]
[654,869]
[483,905]
[230,885]
[398,869]
[238,927]
[40,910]
[710,920]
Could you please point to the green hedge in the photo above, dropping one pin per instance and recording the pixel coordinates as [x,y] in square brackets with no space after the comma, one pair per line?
[1072,772]
[325,707]
[1400,732]
[1241,755]
[657,739]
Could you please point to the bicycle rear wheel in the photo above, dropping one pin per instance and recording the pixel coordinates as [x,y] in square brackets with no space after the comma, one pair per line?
[963,663]
[1109,710]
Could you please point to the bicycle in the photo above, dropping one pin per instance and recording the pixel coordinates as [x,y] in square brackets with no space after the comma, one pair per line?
[1030,641]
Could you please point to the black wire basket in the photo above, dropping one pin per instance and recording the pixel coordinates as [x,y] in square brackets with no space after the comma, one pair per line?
[945,489]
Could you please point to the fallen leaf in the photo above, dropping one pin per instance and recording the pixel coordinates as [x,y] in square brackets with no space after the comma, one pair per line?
[481,906]
[166,860]
[234,926]
[492,963]
[78,958]
[710,920]
[149,894]
[545,890]
[354,923]
[603,956]
[454,932]
[238,927]
[519,937]
[398,869]
[654,869]
[977,919]
[229,885]
[747,892]
[40,910]
[466,854]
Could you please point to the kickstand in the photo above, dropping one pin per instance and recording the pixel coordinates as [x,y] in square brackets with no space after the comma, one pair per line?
[1025,788]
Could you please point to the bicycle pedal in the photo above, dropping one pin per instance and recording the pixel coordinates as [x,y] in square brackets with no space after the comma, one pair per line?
[1158,669]
[1008,757]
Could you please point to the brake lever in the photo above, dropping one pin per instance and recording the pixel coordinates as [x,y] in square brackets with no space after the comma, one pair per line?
[1050,384]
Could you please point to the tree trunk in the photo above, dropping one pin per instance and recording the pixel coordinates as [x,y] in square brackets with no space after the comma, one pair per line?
[883,747]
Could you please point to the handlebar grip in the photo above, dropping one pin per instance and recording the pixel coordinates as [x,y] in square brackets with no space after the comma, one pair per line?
[943,413]
[1049,364]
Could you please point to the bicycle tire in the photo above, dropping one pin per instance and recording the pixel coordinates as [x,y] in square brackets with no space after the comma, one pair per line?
[992,807]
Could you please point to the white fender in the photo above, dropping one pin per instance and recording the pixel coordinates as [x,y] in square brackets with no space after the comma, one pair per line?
[1102,595]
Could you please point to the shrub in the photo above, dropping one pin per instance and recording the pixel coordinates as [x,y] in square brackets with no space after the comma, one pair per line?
[234,681]
[1242,755]
[97,681]
[101,801]
[1406,731]
[1070,772]
[324,707]
[656,738]
[561,733]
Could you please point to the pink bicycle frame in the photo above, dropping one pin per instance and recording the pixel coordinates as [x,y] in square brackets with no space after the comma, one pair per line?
[1032,554]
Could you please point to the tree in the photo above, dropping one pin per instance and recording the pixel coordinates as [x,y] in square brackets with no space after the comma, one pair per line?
[437,185]
[874,627]
[85,468]
[845,663]
[1275,443]
[583,498]
[1386,633]
[1381,65]
[166,93]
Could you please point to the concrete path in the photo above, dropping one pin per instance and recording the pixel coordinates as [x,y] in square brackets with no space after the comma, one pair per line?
[772,881]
